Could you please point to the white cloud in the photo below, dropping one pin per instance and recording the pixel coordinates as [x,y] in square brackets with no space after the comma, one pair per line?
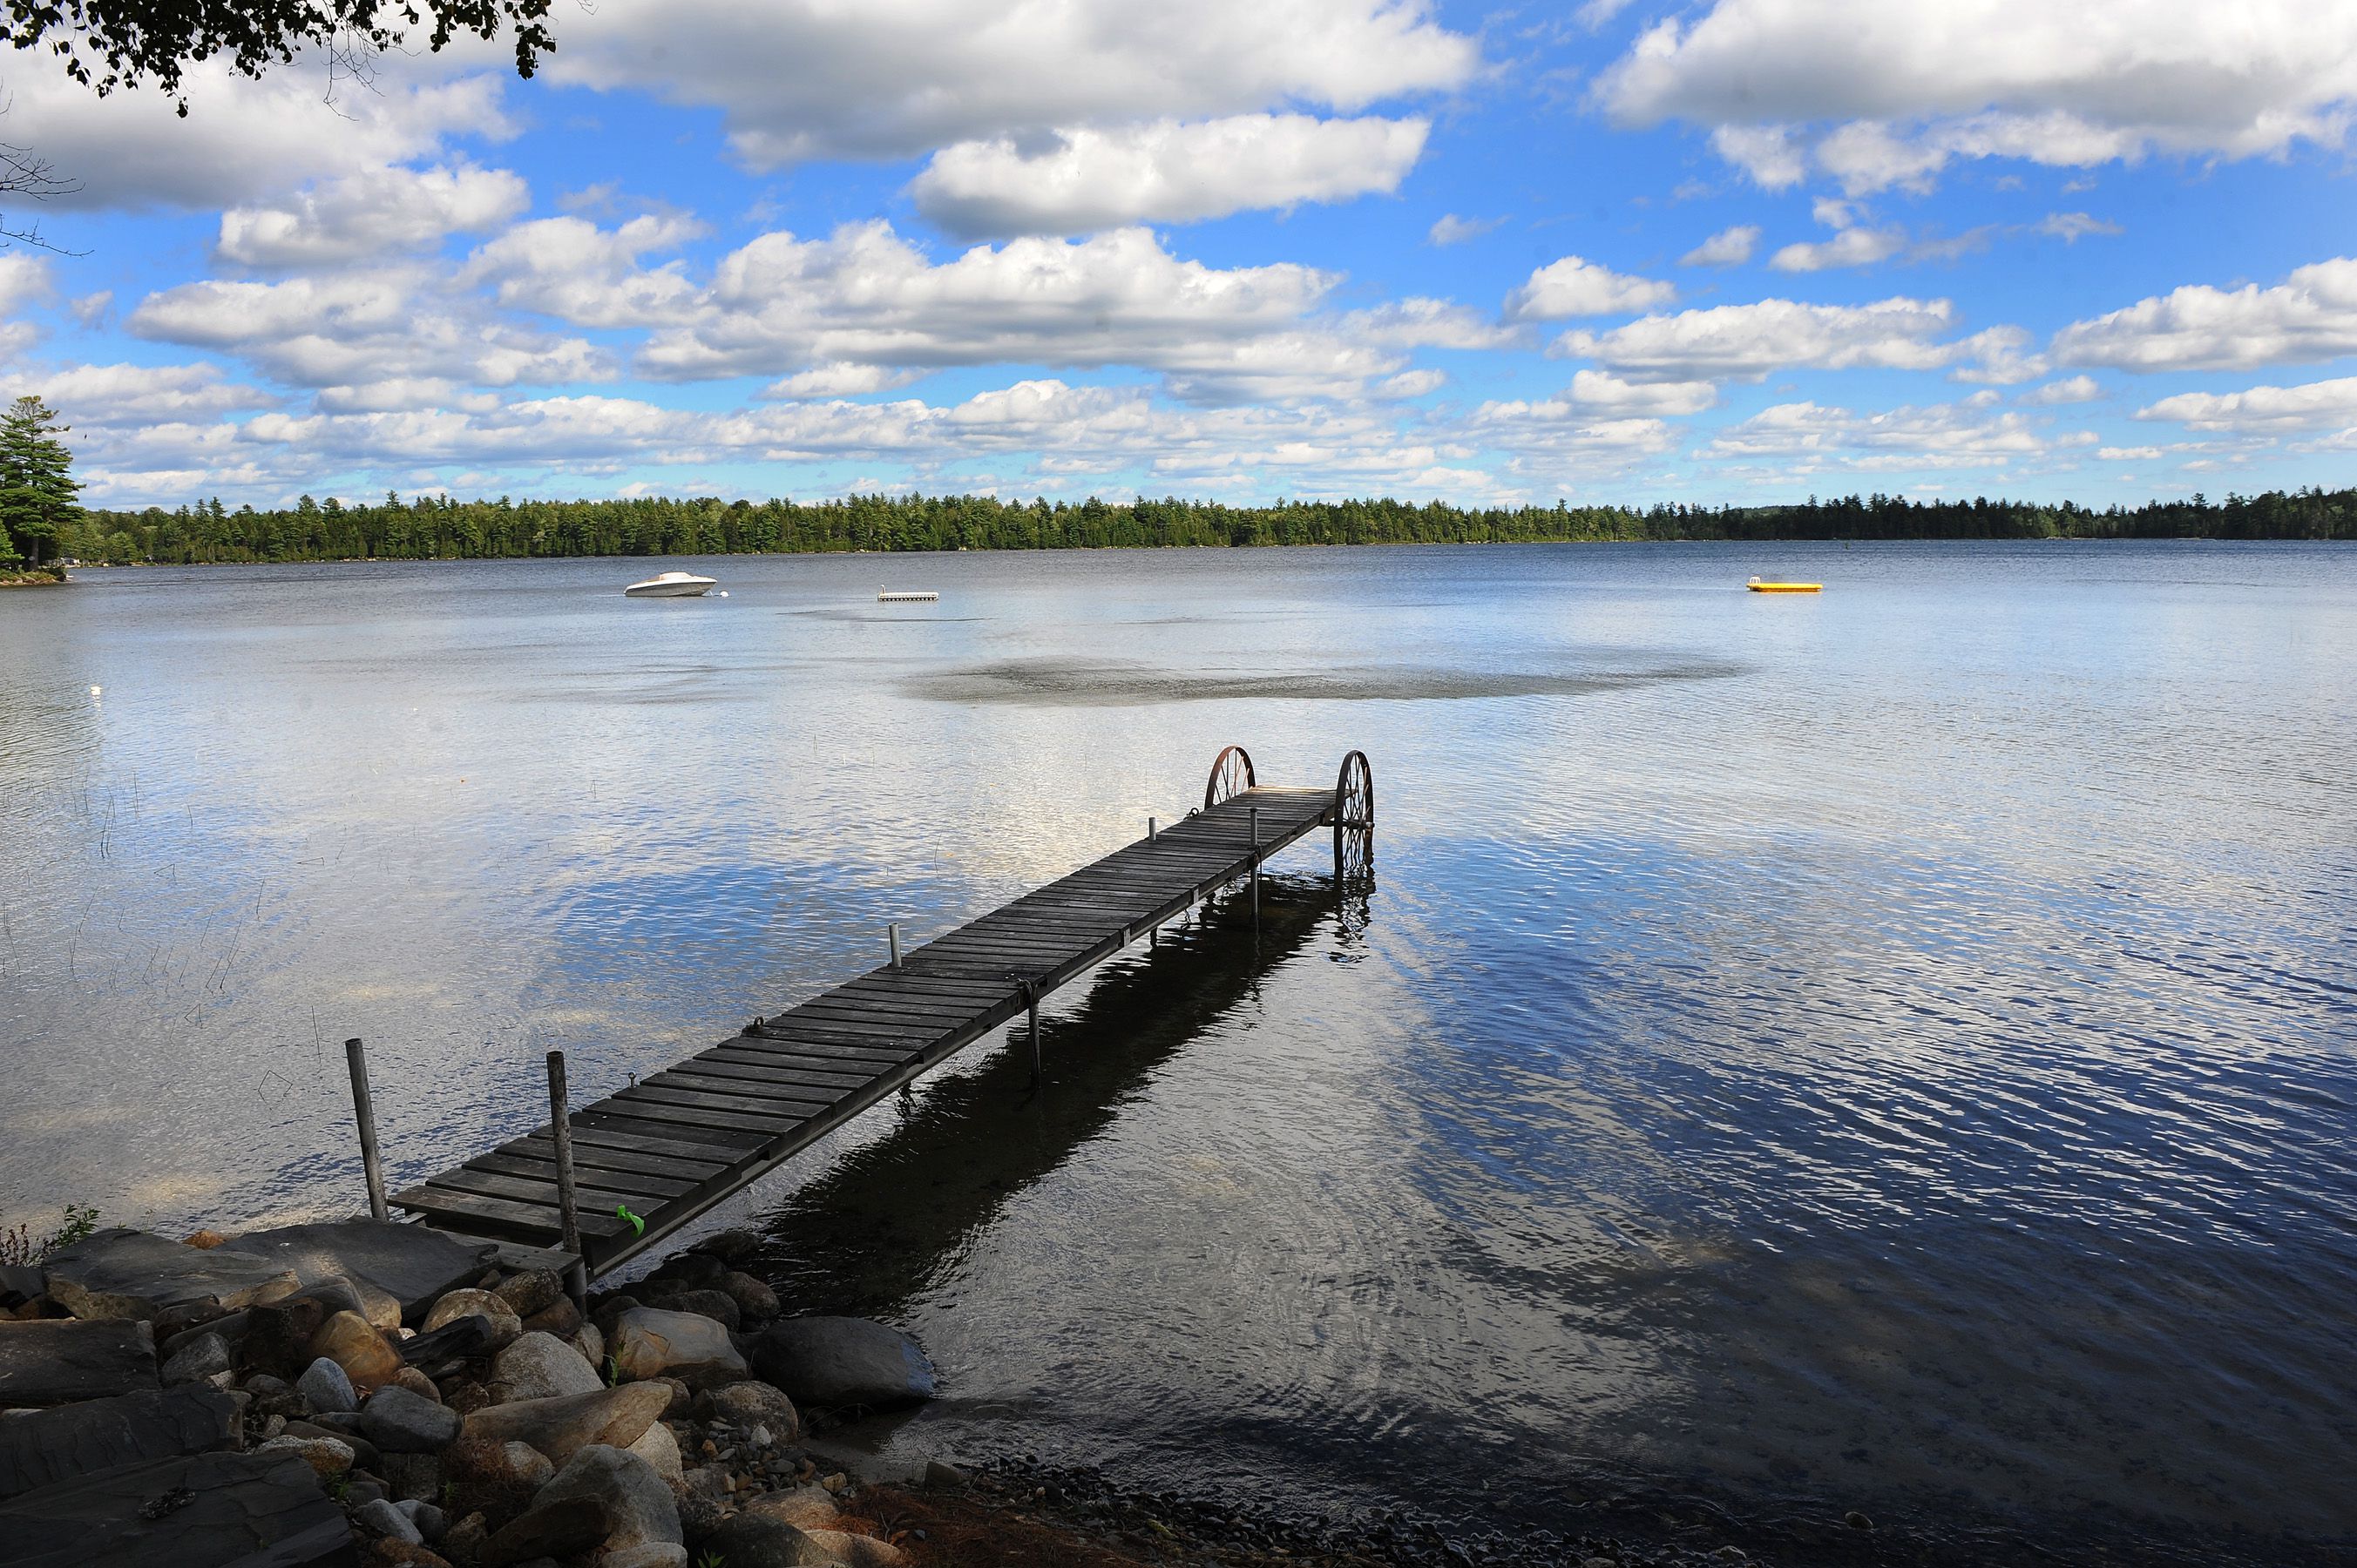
[1411,384]
[135,394]
[244,141]
[2262,411]
[1906,86]
[1728,247]
[369,215]
[2071,388]
[865,297]
[898,78]
[1162,171]
[838,380]
[24,280]
[571,269]
[1768,154]
[1850,248]
[2127,454]
[1749,341]
[2311,316]
[351,329]
[1602,390]
[1451,230]
[1577,286]
[1955,435]
[2073,227]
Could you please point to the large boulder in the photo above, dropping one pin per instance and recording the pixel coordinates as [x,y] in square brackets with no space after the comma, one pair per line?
[840,1362]
[495,1481]
[857,1551]
[603,1500]
[410,1263]
[48,1446]
[750,1540]
[399,1422]
[541,1366]
[205,1511]
[649,1342]
[134,1273]
[561,1427]
[57,1360]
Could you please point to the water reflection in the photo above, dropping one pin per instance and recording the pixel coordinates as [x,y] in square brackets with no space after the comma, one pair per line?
[893,1215]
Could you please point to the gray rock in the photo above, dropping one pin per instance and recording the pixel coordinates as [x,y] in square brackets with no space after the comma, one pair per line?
[416,1477]
[207,1510]
[429,1519]
[561,1427]
[381,1518]
[649,1342]
[328,1457]
[132,1274]
[857,1551]
[380,1308]
[603,1500]
[755,1300]
[843,1361]
[206,1356]
[52,1446]
[399,1422]
[651,1554]
[19,1283]
[760,1541]
[539,1367]
[327,1388]
[54,1360]
[409,1262]
[750,1404]
[531,1290]
[733,1246]
[659,1448]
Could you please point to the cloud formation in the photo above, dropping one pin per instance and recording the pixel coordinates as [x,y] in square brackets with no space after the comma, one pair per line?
[1163,171]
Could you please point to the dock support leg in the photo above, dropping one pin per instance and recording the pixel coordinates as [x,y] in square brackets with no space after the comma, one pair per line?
[892,931]
[559,1127]
[1255,874]
[1031,1008]
[364,1114]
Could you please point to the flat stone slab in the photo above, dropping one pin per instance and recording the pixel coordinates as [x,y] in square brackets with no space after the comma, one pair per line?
[206,1510]
[53,1446]
[132,1274]
[57,1360]
[414,1265]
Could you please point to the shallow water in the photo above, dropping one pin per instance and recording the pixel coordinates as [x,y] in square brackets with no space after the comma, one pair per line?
[1890,1050]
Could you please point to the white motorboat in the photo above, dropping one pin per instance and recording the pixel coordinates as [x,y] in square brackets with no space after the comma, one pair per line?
[673,586]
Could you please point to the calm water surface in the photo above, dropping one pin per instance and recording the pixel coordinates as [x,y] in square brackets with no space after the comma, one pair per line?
[1891,1050]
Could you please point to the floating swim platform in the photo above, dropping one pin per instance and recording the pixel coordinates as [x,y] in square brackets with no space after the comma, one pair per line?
[1757,587]
[906,596]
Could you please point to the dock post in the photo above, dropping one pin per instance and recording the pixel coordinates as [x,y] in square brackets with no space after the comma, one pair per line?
[892,932]
[559,1127]
[1032,1007]
[1256,880]
[1151,830]
[364,1114]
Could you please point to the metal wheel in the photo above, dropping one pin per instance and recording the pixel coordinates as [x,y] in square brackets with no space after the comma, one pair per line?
[1354,817]
[1231,775]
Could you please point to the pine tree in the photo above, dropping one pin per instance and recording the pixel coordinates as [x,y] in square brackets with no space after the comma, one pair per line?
[36,483]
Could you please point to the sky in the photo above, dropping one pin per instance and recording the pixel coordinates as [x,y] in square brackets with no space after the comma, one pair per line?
[1731,251]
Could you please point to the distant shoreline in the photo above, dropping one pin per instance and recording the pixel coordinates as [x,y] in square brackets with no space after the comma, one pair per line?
[442,528]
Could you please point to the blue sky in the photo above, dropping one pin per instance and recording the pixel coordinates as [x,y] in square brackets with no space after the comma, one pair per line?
[1731,251]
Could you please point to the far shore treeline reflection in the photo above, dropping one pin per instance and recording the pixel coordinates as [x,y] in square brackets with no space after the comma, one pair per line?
[437,526]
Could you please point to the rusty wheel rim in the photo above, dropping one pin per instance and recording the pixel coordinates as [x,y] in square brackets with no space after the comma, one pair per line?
[1231,775]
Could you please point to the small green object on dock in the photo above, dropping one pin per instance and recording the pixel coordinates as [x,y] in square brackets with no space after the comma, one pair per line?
[638,1226]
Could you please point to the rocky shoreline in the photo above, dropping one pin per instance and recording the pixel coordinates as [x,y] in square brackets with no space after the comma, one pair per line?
[363,1392]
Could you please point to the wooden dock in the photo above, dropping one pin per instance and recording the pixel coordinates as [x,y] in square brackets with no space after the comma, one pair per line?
[649,1159]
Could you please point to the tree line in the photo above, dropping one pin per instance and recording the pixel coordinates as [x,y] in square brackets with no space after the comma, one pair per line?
[437,526]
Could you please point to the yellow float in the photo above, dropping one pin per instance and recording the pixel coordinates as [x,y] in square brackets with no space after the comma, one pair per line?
[1757,587]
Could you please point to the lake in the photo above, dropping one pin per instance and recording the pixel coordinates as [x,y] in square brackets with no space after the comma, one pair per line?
[1891,1050]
